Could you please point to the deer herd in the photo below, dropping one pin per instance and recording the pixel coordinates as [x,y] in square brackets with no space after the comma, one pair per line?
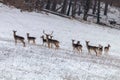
[48,40]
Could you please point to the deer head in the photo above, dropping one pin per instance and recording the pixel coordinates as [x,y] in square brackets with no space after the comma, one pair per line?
[47,35]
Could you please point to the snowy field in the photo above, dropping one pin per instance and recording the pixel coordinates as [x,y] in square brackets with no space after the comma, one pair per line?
[37,62]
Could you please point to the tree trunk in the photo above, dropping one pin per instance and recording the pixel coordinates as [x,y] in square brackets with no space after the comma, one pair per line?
[48,4]
[86,9]
[69,8]
[94,6]
[106,8]
[79,12]
[98,12]
[64,8]
[54,5]
[74,8]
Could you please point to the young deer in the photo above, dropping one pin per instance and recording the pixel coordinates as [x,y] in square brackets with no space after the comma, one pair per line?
[29,38]
[51,41]
[43,39]
[92,48]
[18,38]
[106,49]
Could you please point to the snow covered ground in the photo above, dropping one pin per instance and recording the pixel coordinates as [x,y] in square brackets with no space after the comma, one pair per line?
[37,62]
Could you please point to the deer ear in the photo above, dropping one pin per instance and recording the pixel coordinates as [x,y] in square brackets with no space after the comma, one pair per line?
[14,31]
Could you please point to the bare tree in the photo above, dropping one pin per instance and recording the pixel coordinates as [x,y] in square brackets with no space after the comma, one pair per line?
[63,10]
[54,5]
[48,4]
[86,9]
[69,8]
[106,7]
[94,6]
[74,8]
[98,12]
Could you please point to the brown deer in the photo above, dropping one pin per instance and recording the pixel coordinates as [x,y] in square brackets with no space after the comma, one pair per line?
[18,38]
[29,38]
[92,48]
[43,39]
[106,49]
[51,41]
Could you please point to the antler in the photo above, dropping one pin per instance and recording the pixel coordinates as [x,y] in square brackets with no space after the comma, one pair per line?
[51,33]
[44,32]
[48,34]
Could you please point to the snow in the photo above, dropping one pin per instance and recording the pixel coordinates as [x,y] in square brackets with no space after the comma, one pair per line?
[37,62]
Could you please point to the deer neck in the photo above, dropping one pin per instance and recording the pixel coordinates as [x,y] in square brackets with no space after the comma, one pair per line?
[14,34]
[87,44]
[72,42]
[47,38]
[27,35]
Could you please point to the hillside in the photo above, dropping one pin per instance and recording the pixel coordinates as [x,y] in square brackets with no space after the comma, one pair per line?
[37,62]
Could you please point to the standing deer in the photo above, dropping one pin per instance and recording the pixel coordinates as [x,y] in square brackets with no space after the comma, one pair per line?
[79,46]
[51,41]
[43,39]
[76,46]
[29,38]
[106,49]
[18,38]
[54,42]
[100,49]
[92,48]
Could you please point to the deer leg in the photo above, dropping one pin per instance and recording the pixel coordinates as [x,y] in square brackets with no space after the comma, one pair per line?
[107,52]
[48,45]
[73,48]
[42,43]
[78,50]
[51,46]
[81,50]
[28,41]
[15,42]
[34,41]
[89,51]
[96,52]
[57,46]
[45,44]
[23,43]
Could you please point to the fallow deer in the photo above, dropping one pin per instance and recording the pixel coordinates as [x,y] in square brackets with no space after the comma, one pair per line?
[51,41]
[76,46]
[54,42]
[79,46]
[18,38]
[100,49]
[106,49]
[43,39]
[29,38]
[92,48]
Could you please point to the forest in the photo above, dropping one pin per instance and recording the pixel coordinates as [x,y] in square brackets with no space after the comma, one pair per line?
[67,8]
